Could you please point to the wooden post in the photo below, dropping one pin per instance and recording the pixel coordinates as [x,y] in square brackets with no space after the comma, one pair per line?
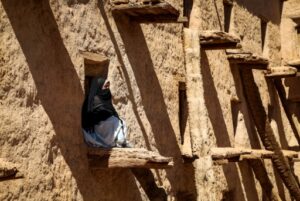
[193,84]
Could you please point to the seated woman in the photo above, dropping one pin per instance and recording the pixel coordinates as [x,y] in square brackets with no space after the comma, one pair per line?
[101,124]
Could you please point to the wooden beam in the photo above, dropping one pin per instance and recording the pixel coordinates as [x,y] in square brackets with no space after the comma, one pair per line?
[294,63]
[8,170]
[281,72]
[94,58]
[95,64]
[228,154]
[218,40]
[127,158]
[248,60]
[149,12]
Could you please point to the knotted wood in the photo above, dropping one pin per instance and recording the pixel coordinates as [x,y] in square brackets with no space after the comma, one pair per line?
[127,158]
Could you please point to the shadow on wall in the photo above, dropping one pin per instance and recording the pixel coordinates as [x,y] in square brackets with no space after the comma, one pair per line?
[257,166]
[270,10]
[152,100]
[61,95]
[215,113]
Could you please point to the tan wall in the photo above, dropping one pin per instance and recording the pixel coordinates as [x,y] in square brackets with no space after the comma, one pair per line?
[41,93]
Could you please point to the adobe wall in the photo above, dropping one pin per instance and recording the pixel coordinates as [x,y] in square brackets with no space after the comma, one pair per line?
[42,91]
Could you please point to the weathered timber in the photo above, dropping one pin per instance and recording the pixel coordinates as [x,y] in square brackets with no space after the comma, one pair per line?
[127,158]
[8,173]
[94,58]
[95,64]
[193,84]
[294,63]
[281,72]
[248,60]
[266,133]
[149,12]
[239,154]
[218,40]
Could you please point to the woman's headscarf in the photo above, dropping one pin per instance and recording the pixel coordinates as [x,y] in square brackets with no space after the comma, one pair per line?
[100,99]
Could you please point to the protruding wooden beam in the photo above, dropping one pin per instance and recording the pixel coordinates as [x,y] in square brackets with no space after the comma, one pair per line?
[281,72]
[248,59]
[94,58]
[149,11]
[294,63]
[8,171]
[127,158]
[95,64]
[224,155]
[218,40]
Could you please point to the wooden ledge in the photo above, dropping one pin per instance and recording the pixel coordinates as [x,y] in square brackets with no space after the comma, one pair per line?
[281,72]
[218,40]
[248,59]
[294,63]
[127,158]
[149,11]
[9,174]
[224,155]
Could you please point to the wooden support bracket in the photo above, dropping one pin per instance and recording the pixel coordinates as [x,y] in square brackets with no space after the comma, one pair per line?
[248,59]
[281,72]
[218,40]
[149,12]
[127,158]
[227,154]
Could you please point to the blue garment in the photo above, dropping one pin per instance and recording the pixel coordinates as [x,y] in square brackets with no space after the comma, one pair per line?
[109,133]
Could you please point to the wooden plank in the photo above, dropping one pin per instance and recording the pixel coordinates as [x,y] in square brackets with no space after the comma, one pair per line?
[151,12]
[281,72]
[218,40]
[127,158]
[248,60]
[239,154]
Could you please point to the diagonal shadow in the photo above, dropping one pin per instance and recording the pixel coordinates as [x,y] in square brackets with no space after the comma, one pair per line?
[61,95]
[257,166]
[271,10]
[152,100]
[222,137]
